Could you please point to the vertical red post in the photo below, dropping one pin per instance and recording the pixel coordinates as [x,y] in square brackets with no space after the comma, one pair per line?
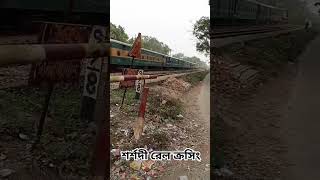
[143,103]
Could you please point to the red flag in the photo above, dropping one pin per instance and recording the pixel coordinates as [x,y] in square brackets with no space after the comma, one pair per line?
[136,48]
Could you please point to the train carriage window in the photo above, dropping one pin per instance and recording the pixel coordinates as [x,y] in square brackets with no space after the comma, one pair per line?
[118,53]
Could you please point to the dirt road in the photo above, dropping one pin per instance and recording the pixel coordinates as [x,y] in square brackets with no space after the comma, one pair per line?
[274,132]
[303,119]
[197,104]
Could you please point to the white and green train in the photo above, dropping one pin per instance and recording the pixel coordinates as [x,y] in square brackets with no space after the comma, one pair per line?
[149,59]
[228,12]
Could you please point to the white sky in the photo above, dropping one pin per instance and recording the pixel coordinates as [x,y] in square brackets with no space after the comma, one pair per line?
[170,21]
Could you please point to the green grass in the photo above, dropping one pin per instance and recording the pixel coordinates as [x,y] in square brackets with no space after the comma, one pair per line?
[117,94]
[17,107]
[195,78]
[63,138]
[271,53]
[167,111]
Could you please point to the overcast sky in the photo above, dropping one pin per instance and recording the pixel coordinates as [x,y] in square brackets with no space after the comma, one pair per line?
[170,21]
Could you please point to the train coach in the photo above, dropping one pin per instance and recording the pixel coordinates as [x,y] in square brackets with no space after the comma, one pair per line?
[119,53]
[246,12]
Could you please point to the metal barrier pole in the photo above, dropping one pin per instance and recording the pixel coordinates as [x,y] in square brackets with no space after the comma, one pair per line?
[131,77]
[27,54]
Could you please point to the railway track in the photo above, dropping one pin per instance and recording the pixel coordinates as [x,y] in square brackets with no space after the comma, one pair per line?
[223,32]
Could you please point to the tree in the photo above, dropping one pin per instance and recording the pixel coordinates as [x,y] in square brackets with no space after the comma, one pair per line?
[201,32]
[178,55]
[118,33]
[195,59]
[316,5]
[153,44]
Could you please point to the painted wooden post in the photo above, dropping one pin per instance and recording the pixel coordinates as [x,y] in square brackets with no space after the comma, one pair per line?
[101,154]
[143,103]
[139,123]
[95,104]
[139,84]
[92,76]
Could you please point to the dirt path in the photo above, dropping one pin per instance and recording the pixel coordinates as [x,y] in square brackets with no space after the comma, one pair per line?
[249,130]
[303,120]
[273,133]
[197,104]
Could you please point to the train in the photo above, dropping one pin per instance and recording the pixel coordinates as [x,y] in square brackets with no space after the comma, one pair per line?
[248,12]
[20,14]
[120,58]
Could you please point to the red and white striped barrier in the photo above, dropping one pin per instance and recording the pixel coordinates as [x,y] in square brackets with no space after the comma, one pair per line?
[131,77]
[26,54]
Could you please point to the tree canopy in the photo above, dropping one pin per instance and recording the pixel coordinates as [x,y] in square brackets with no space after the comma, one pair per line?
[118,33]
[178,55]
[153,44]
[201,32]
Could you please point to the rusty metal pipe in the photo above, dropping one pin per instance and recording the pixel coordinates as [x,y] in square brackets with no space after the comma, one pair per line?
[131,77]
[26,54]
